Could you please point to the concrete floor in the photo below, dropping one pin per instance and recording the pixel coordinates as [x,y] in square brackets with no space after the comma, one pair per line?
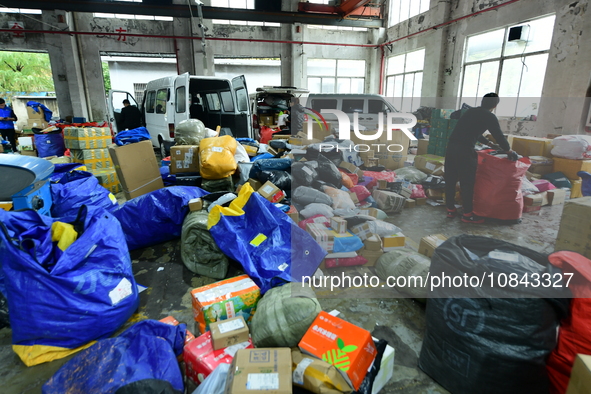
[400,321]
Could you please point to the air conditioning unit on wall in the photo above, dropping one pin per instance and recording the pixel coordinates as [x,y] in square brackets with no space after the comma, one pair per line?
[519,33]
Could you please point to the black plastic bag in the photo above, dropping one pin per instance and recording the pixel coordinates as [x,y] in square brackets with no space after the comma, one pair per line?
[281,179]
[329,173]
[304,195]
[476,342]
[367,384]
[331,153]
[303,174]
[278,144]
[269,164]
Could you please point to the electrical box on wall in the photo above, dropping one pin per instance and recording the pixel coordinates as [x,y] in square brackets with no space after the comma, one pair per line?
[519,33]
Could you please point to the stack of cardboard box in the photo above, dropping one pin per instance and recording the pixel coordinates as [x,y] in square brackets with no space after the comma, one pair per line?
[36,119]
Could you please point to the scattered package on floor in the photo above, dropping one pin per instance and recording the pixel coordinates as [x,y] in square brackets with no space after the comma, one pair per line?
[389,202]
[316,375]
[429,243]
[223,300]
[140,360]
[228,332]
[201,359]
[283,316]
[260,370]
[346,346]
[532,146]
[430,164]
[64,274]
[184,158]
[408,264]
[216,157]
[574,233]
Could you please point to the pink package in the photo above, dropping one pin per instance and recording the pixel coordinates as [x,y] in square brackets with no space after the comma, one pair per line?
[418,192]
[389,176]
[543,185]
[314,219]
[361,192]
[345,262]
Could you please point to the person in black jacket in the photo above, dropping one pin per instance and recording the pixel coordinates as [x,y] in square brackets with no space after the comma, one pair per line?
[461,159]
[131,117]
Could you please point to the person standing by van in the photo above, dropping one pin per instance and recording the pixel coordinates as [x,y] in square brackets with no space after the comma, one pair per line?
[461,159]
[131,117]
[296,116]
[7,119]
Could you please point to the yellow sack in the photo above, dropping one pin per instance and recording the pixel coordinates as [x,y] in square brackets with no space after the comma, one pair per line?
[217,157]
[64,234]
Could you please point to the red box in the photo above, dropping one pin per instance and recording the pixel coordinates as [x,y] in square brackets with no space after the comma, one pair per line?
[201,359]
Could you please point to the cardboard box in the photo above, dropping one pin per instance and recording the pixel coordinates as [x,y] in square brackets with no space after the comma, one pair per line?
[25,143]
[371,256]
[137,168]
[87,137]
[373,243]
[372,162]
[223,300]
[556,196]
[293,214]
[184,158]
[532,146]
[346,346]
[421,201]
[541,165]
[65,160]
[90,154]
[580,376]
[392,161]
[570,167]
[435,194]
[552,136]
[389,202]
[338,224]
[430,164]
[422,147]
[373,212]
[391,152]
[576,191]
[271,192]
[195,204]
[108,179]
[272,151]
[37,124]
[393,241]
[429,243]
[351,168]
[363,231]
[95,164]
[261,370]
[32,114]
[321,235]
[251,150]
[200,358]
[354,198]
[256,185]
[535,200]
[574,233]
[317,375]
[171,321]
[528,209]
[29,153]
[410,203]
[382,184]
[228,332]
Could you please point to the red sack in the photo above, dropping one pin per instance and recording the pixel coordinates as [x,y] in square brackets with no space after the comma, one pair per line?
[345,262]
[354,178]
[361,192]
[314,219]
[497,192]
[418,192]
[389,176]
[574,335]
[267,134]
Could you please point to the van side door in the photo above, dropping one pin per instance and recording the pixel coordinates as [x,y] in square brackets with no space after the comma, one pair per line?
[243,122]
[114,106]
[181,99]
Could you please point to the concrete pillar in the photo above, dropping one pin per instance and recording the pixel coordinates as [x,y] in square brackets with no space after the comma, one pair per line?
[65,65]
[373,65]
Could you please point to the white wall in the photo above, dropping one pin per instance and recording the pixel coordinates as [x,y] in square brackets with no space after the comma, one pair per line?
[127,71]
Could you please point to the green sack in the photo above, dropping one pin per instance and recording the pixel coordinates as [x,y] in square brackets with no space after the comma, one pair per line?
[199,252]
[283,316]
[218,185]
[405,263]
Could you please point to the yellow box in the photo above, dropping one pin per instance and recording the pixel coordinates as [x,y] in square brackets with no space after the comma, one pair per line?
[570,167]
[575,191]
[393,241]
[532,146]
[429,243]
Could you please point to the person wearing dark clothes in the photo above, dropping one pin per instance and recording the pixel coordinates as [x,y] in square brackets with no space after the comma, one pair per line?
[7,119]
[131,117]
[297,116]
[461,159]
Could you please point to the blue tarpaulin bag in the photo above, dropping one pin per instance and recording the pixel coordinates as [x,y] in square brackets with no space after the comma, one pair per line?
[61,169]
[59,301]
[268,165]
[143,355]
[77,188]
[50,144]
[270,246]
[157,216]
[586,184]
[132,136]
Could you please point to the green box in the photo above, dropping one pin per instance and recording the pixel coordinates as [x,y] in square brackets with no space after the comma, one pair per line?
[431,149]
[90,154]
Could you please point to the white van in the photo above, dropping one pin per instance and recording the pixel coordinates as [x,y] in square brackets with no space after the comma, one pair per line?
[268,102]
[367,105]
[170,100]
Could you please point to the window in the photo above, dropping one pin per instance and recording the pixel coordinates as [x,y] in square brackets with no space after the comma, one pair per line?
[242,98]
[246,4]
[138,91]
[150,101]
[227,102]
[404,80]
[336,76]
[330,27]
[130,16]
[353,105]
[19,11]
[213,101]
[161,99]
[181,99]
[320,104]
[401,10]
[377,106]
[514,69]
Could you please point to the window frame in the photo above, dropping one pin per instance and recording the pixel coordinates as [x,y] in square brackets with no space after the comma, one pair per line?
[336,78]
[404,74]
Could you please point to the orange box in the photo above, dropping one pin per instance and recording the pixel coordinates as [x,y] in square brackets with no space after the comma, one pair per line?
[342,344]
[171,321]
[223,300]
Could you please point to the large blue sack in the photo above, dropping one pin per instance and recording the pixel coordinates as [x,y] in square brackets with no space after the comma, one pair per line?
[61,169]
[77,188]
[147,350]
[157,216]
[132,136]
[50,144]
[272,249]
[269,164]
[60,301]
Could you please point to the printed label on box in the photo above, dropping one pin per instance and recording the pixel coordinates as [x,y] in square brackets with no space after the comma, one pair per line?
[230,326]
[298,373]
[262,381]
[267,189]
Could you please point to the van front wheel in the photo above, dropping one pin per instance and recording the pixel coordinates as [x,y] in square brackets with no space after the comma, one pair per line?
[163,151]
